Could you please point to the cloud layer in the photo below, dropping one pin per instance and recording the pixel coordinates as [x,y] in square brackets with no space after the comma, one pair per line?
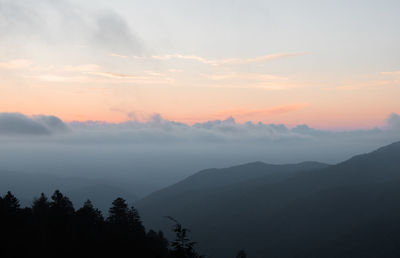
[19,124]
[157,129]
[157,152]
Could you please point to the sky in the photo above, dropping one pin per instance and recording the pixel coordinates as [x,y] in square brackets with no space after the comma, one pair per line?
[332,65]
[146,93]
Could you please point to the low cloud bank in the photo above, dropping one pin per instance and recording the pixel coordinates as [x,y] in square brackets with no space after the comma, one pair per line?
[19,124]
[159,130]
[159,152]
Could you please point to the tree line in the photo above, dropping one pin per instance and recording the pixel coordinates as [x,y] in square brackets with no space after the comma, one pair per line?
[51,227]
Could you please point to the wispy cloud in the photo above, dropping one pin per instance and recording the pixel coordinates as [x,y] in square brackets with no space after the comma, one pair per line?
[118,55]
[82,68]
[245,76]
[252,80]
[115,75]
[378,80]
[149,78]
[84,73]
[391,73]
[66,21]
[244,114]
[363,85]
[228,61]
[16,64]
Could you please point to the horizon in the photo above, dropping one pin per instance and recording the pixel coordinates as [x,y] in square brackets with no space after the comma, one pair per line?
[391,120]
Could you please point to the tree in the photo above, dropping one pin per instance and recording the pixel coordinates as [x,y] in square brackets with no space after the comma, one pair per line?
[41,205]
[241,254]
[183,247]
[52,228]
[10,203]
[118,213]
[135,222]
[157,243]
[88,215]
[61,205]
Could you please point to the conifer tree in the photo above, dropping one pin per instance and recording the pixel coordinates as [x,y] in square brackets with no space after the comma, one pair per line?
[183,247]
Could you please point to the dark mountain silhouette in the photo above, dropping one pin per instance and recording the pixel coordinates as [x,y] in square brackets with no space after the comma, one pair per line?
[219,178]
[346,210]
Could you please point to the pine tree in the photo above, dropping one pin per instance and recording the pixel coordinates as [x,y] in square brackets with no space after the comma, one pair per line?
[118,213]
[61,205]
[88,215]
[41,205]
[183,247]
[135,222]
[10,202]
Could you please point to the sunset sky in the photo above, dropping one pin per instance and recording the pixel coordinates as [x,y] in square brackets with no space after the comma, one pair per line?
[328,64]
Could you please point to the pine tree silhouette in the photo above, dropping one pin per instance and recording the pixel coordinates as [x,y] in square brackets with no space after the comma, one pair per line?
[183,247]
[52,228]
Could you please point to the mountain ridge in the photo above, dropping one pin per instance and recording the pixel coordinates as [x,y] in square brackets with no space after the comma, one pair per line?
[246,211]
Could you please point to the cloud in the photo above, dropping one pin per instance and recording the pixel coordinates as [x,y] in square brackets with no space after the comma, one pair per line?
[153,129]
[82,68]
[391,73]
[385,79]
[147,78]
[56,78]
[265,112]
[245,114]
[252,80]
[118,55]
[15,64]
[19,124]
[393,122]
[114,33]
[156,151]
[228,61]
[93,73]
[116,75]
[246,76]
[62,22]
[258,59]
[368,84]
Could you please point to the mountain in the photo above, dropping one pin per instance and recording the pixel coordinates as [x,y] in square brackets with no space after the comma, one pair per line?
[311,210]
[218,178]
[27,185]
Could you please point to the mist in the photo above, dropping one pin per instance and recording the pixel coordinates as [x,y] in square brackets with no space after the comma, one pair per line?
[146,156]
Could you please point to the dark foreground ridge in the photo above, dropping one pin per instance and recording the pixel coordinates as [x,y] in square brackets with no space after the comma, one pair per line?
[52,228]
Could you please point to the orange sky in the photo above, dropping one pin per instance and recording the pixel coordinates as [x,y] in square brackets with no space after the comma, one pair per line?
[204,68]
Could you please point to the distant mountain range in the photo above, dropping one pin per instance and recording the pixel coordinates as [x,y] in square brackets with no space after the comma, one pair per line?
[351,209]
